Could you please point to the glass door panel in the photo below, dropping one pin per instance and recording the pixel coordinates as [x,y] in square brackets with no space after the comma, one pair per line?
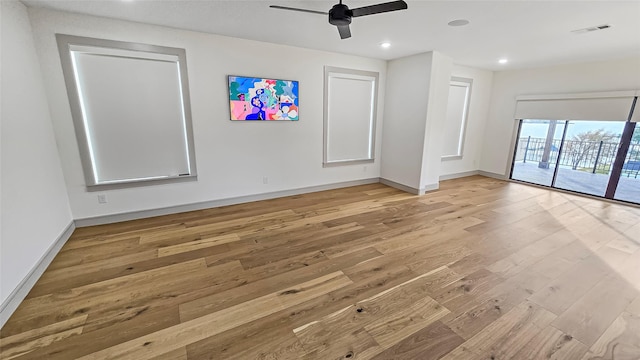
[629,185]
[537,151]
[588,153]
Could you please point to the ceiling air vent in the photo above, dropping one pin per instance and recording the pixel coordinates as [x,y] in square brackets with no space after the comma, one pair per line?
[591,28]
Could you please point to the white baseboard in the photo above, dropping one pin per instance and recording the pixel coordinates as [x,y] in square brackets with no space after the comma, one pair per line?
[493,175]
[430,187]
[409,189]
[402,187]
[109,219]
[459,175]
[22,290]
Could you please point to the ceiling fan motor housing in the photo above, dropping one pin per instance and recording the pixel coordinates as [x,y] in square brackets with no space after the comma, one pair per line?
[340,15]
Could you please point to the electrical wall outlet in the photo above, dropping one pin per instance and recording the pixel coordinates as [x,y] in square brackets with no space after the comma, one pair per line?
[102,198]
[265,180]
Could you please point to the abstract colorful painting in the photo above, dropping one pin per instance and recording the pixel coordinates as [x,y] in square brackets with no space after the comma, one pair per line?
[263,99]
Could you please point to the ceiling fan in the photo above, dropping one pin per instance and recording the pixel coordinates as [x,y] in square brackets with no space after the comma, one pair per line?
[340,15]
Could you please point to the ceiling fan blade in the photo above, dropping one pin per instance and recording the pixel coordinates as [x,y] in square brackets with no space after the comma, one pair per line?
[296,9]
[344,31]
[379,8]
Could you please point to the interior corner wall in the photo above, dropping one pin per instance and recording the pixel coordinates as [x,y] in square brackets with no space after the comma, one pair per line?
[441,67]
[35,209]
[405,117]
[477,116]
[234,159]
[612,75]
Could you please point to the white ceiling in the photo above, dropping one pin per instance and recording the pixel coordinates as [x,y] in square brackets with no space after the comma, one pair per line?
[528,33]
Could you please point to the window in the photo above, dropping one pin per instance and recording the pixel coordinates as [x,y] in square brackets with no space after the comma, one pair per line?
[628,188]
[457,113]
[599,156]
[130,107]
[349,116]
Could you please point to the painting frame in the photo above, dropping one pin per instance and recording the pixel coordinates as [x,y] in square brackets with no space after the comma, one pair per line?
[262,99]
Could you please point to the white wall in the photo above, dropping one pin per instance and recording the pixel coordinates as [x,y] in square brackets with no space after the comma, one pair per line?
[415,113]
[35,209]
[575,78]
[405,119]
[232,157]
[476,121]
[436,117]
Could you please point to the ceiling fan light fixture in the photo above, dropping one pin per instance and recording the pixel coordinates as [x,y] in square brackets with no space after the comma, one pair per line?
[340,15]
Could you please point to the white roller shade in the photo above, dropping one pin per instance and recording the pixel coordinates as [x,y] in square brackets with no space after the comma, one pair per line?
[596,109]
[602,106]
[349,118]
[132,110]
[457,108]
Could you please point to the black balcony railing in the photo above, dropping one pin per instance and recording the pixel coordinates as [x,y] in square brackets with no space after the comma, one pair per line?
[593,156]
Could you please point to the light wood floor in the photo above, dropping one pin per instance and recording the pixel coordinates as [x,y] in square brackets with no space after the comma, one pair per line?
[481,269]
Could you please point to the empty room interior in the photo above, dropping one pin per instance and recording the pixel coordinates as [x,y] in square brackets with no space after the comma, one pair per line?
[283,179]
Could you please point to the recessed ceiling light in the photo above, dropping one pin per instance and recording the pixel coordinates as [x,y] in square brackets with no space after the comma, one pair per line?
[503,61]
[385,45]
[459,22]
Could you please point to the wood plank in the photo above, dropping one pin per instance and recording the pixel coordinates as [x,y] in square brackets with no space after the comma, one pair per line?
[588,318]
[634,307]
[168,339]
[220,300]
[389,330]
[491,305]
[99,296]
[220,227]
[457,295]
[28,341]
[531,254]
[270,337]
[371,325]
[620,341]
[431,342]
[505,336]
[561,260]
[178,354]
[101,251]
[566,289]
[551,343]
[377,282]
[197,244]
[102,234]
[68,281]
[127,329]
[301,242]
[99,265]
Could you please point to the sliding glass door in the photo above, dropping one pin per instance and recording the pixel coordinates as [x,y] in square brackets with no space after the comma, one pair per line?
[628,188]
[588,153]
[537,151]
[600,158]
